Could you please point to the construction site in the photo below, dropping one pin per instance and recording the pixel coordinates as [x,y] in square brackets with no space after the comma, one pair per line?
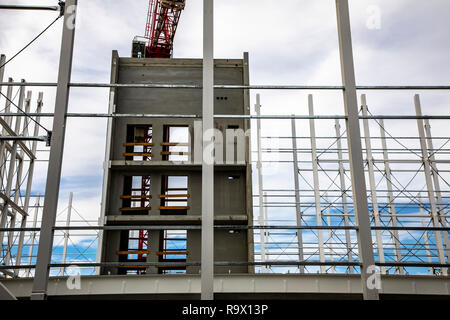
[208,188]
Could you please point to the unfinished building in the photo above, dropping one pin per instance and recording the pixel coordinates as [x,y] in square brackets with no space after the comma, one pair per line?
[153,168]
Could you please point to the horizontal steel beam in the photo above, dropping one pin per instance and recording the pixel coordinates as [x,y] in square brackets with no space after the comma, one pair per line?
[226,227]
[20,138]
[230,263]
[25,7]
[263,117]
[236,87]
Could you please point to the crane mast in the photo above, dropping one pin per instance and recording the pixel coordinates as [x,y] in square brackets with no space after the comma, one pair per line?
[162,22]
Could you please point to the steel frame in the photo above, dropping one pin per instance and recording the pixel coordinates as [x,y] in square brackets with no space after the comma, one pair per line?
[360,207]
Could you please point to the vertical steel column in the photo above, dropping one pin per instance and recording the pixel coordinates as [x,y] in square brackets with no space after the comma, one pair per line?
[33,233]
[3,153]
[40,283]
[29,182]
[266,232]
[355,149]
[391,199]
[2,69]
[12,166]
[108,152]
[372,183]
[425,233]
[330,232]
[315,167]
[298,210]
[66,233]
[2,143]
[261,219]
[437,187]
[348,240]
[207,260]
[430,187]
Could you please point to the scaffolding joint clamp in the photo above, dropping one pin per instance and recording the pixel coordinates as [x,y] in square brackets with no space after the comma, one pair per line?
[62,7]
[49,138]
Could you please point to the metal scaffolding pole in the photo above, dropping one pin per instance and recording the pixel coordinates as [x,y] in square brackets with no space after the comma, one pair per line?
[24,7]
[40,284]
[355,149]
[391,199]
[5,123]
[261,220]
[266,232]
[437,186]
[298,209]
[425,233]
[348,240]
[315,165]
[430,187]
[66,233]
[330,232]
[372,183]
[207,267]
[29,183]
[33,233]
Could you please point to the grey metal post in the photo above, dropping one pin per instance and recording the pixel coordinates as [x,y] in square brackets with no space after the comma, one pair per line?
[66,233]
[3,155]
[40,283]
[207,260]
[29,183]
[261,219]
[266,232]
[430,187]
[348,240]
[108,152]
[355,148]
[425,233]
[437,187]
[298,212]
[315,167]
[2,69]
[33,233]
[372,183]
[392,209]
[330,232]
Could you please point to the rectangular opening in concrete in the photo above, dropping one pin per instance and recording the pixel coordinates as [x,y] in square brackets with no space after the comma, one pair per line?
[136,195]
[139,144]
[175,146]
[174,195]
[173,249]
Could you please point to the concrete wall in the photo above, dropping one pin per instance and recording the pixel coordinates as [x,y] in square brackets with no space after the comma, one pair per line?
[232,181]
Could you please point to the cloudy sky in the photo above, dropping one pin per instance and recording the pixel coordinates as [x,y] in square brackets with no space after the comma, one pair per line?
[290,42]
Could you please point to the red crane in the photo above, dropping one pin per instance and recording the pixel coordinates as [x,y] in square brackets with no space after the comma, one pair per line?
[162,23]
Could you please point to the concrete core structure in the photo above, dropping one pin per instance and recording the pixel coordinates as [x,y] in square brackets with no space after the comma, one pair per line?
[153,167]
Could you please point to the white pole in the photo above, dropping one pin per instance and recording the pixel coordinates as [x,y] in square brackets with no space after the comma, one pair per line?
[66,233]
[207,260]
